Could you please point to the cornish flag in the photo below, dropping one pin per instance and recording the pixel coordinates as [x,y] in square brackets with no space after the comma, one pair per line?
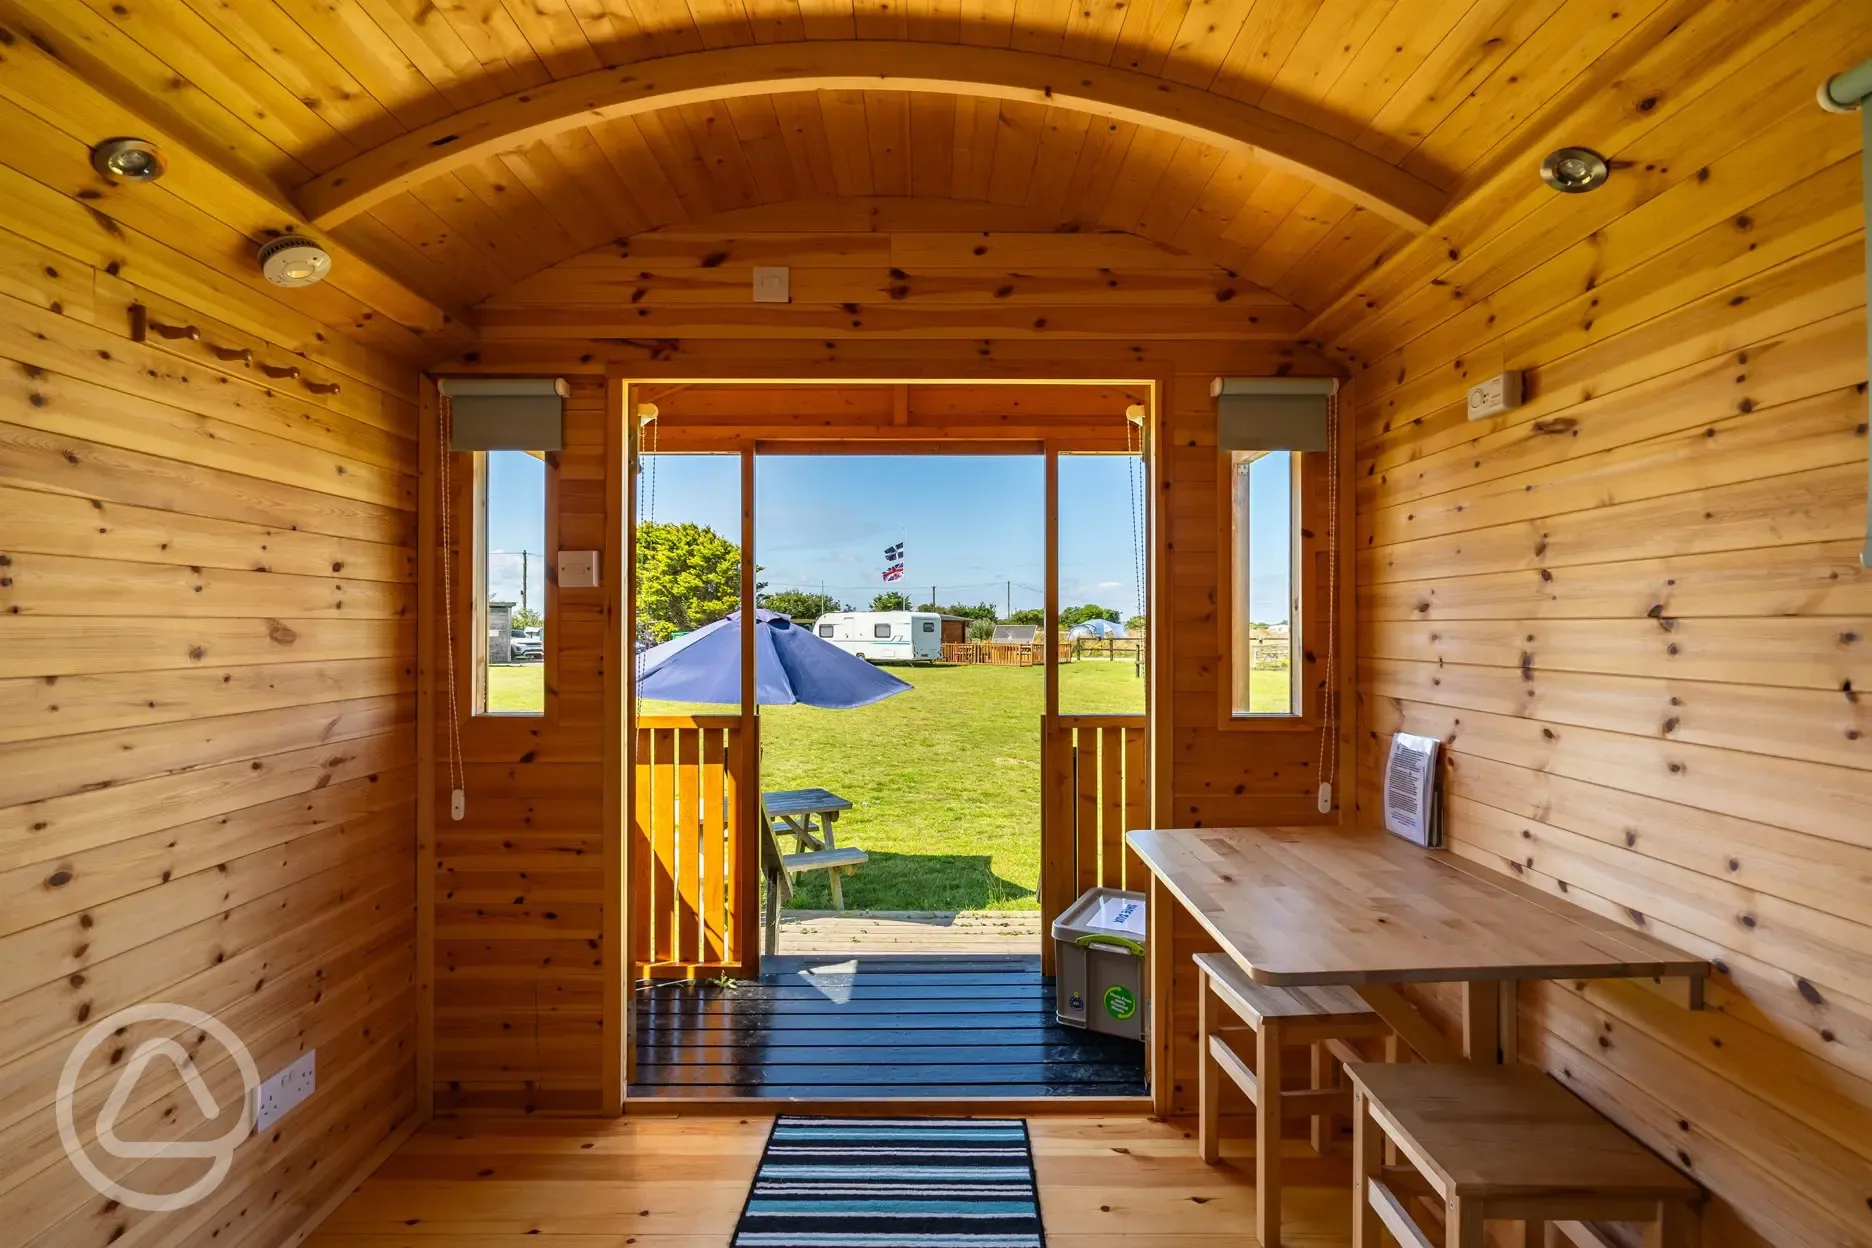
[894,572]
[894,554]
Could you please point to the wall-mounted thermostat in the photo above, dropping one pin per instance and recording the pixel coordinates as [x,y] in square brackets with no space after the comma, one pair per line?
[1496,395]
[772,284]
[578,569]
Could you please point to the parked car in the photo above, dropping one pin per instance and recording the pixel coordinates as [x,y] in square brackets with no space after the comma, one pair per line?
[885,636]
[526,645]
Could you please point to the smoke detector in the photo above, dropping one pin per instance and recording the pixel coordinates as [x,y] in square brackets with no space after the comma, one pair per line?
[1575,170]
[294,261]
[128,160]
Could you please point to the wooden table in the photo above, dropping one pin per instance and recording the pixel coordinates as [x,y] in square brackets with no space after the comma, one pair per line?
[794,810]
[1364,909]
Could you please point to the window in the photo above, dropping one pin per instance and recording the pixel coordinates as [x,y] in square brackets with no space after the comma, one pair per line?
[929,626]
[881,631]
[1265,599]
[510,583]
[827,630]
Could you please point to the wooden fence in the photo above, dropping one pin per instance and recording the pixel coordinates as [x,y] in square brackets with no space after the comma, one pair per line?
[695,899]
[1095,786]
[1002,653]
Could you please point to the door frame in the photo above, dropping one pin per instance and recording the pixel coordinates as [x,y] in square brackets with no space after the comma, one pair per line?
[623,448]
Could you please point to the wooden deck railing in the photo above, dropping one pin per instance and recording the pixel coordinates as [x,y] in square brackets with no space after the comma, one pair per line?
[1095,786]
[694,900]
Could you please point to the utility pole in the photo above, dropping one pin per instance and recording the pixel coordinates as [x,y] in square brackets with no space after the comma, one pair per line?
[932,595]
[523,580]
[1010,601]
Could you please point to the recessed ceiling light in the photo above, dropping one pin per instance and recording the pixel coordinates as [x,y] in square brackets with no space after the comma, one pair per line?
[294,261]
[1574,170]
[129,160]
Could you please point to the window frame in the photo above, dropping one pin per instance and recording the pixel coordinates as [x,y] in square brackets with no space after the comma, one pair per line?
[1309,554]
[884,635]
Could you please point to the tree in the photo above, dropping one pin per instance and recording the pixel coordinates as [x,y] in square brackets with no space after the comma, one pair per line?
[1028,615]
[981,630]
[891,600]
[1136,624]
[980,611]
[1073,617]
[688,575]
[527,617]
[800,605]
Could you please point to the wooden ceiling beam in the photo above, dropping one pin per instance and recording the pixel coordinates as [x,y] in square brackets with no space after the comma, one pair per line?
[762,69]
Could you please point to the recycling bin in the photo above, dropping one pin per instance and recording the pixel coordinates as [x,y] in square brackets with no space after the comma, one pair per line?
[1099,963]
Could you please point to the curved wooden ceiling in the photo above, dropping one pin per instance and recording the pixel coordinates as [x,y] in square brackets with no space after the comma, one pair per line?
[294,89]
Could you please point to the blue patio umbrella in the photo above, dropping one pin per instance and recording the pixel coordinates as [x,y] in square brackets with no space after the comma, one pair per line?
[790,665]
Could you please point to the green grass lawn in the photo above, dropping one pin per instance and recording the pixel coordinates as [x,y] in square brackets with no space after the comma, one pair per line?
[944,779]
[521,687]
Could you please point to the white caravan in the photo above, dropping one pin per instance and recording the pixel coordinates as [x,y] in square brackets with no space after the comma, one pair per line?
[885,636]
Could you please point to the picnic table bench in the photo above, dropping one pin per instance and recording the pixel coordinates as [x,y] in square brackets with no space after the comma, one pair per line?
[807,815]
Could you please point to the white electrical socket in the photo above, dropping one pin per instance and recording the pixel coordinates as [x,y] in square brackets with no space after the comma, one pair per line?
[275,1096]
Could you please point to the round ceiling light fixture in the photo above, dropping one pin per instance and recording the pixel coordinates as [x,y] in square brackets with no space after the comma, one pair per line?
[128,160]
[294,261]
[1575,170]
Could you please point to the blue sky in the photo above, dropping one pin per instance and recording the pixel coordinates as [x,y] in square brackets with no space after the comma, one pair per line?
[971,525]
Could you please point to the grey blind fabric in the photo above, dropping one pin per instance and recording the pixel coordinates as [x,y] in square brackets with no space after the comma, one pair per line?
[505,413]
[1272,413]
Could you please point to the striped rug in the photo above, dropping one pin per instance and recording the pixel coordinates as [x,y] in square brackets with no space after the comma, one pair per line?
[893,1183]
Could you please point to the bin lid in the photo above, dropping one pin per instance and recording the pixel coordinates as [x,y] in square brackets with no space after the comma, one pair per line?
[1103,912]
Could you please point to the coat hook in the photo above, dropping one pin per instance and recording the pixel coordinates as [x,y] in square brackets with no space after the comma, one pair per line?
[172,332]
[322,387]
[282,373]
[243,354]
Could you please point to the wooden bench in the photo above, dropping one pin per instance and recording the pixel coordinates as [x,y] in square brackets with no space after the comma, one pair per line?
[1326,1020]
[1505,1143]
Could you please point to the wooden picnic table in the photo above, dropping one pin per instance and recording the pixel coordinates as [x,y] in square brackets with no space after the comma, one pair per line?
[791,812]
[1367,910]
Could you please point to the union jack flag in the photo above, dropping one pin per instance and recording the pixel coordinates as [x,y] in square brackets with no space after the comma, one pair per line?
[894,572]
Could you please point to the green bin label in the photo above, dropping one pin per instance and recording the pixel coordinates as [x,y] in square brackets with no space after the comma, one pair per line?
[1119,1003]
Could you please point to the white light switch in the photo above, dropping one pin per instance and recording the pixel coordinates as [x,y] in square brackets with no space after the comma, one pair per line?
[772,284]
[578,569]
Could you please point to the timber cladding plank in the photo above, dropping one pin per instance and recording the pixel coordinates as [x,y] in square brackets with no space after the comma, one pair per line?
[1529,588]
[206,721]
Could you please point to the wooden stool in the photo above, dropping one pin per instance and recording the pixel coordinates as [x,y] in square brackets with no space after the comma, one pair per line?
[1503,1142]
[1326,1019]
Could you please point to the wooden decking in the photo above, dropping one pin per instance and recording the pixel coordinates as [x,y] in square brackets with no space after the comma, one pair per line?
[910,931]
[679,1182]
[849,1027]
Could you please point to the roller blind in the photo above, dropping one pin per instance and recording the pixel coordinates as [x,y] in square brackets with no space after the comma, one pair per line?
[1272,413]
[505,413]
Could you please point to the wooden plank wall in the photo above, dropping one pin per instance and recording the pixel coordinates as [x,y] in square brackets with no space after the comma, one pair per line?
[519,884]
[206,716]
[1634,607]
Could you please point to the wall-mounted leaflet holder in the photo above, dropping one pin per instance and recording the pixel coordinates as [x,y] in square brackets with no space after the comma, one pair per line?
[1412,808]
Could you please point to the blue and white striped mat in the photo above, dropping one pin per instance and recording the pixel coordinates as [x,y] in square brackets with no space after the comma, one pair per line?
[894,1183]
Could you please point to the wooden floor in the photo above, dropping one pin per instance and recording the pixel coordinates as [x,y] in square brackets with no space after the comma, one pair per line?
[679,1182]
[833,1026]
[910,931]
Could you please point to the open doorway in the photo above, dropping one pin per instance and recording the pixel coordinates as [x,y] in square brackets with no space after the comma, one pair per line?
[905,842]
